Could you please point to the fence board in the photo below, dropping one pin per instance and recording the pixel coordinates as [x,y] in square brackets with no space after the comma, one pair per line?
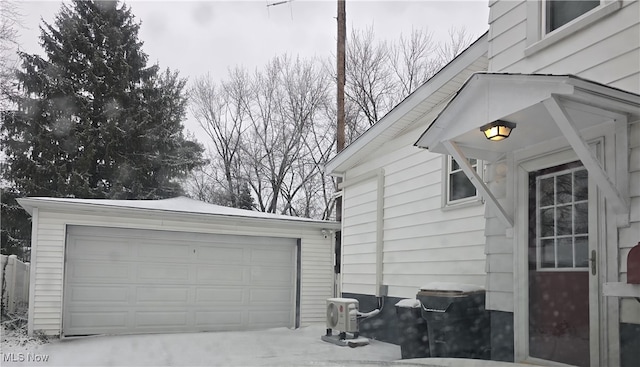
[14,277]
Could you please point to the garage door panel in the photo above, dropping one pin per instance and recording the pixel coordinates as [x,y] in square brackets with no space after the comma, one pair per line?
[162,273]
[271,296]
[271,256]
[220,255]
[93,294]
[162,294]
[270,276]
[99,272]
[221,274]
[168,250]
[220,296]
[268,319]
[218,319]
[99,248]
[109,320]
[161,319]
[125,281]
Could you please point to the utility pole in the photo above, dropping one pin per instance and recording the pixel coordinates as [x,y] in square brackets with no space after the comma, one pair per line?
[340,68]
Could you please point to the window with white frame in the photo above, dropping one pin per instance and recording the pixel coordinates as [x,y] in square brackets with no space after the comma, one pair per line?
[459,188]
[560,12]
[549,21]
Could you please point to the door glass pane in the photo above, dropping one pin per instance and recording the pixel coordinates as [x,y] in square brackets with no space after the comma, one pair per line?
[547,254]
[581,218]
[581,187]
[564,220]
[563,189]
[565,252]
[547,222]
[546,191]
[582,252]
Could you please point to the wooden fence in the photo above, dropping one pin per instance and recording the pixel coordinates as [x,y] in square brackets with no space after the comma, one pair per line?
[14,277]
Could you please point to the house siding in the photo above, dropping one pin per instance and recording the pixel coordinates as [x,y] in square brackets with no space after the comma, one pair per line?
[607,51]
[422,242]
[499,249]
[630,236]
[48,258]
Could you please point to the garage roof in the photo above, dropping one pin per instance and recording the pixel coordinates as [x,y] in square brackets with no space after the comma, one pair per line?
[180,204]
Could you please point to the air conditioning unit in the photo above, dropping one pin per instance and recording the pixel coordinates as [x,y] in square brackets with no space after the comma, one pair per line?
[342,314]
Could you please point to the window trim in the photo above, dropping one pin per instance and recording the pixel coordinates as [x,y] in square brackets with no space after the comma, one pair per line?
[446,174]
[538,39]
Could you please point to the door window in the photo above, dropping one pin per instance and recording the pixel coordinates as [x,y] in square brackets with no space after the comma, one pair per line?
[562,209]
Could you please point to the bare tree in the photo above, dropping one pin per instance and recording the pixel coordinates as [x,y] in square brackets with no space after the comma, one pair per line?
[369,80]
[412,60]
[458,40]
[273,130]
[10,21]
[287,98]
[381,74]
[219,109]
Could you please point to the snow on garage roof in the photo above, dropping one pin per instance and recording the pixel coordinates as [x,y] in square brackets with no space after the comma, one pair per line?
[174,205]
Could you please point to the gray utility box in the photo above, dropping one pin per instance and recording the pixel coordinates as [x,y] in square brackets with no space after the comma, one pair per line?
[457,322]
[412,330]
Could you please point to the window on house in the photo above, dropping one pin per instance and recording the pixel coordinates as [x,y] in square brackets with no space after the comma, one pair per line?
[561,12]
[459,187]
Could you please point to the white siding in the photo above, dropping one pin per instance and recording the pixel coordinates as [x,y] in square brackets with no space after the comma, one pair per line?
[499,248]
[630,236]
[422,242]
[607,51]
[48,257]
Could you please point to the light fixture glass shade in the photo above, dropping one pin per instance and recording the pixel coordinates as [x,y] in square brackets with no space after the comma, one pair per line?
[498,130]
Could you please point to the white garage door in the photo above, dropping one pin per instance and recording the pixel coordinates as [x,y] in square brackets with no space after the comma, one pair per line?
[123,281]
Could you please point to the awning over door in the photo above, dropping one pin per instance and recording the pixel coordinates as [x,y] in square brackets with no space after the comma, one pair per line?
[544,108]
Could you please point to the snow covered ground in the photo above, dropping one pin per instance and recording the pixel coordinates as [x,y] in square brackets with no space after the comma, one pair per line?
[275,347]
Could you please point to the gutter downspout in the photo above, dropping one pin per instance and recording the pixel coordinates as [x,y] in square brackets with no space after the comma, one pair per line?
[380,233]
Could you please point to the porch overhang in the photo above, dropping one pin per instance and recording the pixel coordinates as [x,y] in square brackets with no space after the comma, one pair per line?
[544,108]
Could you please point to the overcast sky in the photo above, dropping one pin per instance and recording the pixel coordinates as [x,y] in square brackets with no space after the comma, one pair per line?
[199,37]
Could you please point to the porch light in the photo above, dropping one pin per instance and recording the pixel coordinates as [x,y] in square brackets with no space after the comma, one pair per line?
[498,130]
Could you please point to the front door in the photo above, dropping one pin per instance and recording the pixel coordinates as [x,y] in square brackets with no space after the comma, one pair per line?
[561,255]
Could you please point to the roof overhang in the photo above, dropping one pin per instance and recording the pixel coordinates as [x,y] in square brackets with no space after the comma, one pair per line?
[521,98]
[543,107]
[180,207]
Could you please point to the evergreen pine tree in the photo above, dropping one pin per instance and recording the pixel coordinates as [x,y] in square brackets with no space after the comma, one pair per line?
[244,199]
[93,119]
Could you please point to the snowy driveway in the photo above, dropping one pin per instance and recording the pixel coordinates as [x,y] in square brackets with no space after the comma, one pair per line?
[276,347]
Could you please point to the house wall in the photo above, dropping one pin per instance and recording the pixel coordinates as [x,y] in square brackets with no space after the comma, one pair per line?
[45,306]
[422,242]
[606,51]
[630,236]
[499,249]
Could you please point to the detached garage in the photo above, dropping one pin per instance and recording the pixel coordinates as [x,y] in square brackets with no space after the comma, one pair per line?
[175,265]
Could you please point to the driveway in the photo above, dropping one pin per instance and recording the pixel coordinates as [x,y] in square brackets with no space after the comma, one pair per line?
[275,347]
